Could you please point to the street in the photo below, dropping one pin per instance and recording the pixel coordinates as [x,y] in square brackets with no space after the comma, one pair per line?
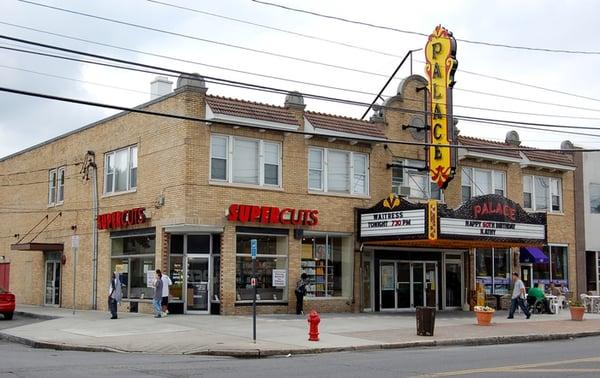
[568,358]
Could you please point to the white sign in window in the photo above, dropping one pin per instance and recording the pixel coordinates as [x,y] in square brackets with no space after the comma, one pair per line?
[279,277]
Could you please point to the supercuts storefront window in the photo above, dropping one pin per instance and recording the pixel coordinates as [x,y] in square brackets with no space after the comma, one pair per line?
[133,255]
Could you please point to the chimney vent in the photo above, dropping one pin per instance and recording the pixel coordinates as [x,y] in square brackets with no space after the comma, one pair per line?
[512,138]
[160,87]
[294,100]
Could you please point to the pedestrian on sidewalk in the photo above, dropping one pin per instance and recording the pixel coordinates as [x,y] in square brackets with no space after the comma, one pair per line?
[158,293]
[517,297]
[301,292]
[115,294]
[166,281]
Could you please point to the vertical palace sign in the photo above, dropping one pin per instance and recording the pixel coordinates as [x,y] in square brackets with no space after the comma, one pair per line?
[441,63]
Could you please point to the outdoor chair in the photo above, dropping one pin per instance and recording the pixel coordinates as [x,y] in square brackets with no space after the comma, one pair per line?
[535,306]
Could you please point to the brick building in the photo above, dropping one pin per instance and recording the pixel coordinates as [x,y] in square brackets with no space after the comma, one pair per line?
[188,197]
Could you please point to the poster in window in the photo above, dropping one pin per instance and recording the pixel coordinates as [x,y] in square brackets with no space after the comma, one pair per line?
[279,277]
[387,277]
[320,252]
[150,277]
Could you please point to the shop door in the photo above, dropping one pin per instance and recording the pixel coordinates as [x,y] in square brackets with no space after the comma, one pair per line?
[406,285]
[454,284]
[526,275]
[198,284]
[52,297]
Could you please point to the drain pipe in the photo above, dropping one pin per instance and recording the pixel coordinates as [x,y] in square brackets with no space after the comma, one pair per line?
[92,170]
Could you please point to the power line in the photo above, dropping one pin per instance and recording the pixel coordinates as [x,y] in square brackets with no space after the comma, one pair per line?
[356,138]
[329,86]
[278,90]
[389,28]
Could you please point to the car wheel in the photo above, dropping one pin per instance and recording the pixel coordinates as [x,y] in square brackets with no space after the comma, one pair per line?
[8,315]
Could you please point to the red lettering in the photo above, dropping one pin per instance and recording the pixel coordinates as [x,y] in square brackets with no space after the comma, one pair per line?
[476,210]
[264,214]
[314,220]
[233,213]
[274,218]
[244,213]
[126,218]
[142,216]
[296,220]
[254,213]
[282,216]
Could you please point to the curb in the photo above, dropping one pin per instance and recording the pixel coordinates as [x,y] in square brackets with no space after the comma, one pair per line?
[264,353]
[36,316]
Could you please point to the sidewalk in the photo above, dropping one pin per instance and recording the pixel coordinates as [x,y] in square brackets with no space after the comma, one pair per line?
[280,334]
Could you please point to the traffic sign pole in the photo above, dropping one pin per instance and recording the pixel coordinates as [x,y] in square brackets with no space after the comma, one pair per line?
[253,248]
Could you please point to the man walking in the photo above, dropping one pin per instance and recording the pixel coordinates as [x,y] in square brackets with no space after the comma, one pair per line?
[517,297]
[115,294]
[158,293]
[165,294]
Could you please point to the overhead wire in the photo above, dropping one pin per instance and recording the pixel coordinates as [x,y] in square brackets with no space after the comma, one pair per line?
[404,31]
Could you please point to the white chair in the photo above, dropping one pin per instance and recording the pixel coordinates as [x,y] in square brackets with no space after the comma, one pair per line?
[585,299]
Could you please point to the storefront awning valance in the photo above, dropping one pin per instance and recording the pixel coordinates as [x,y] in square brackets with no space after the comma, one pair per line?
[37,247]
[533,254]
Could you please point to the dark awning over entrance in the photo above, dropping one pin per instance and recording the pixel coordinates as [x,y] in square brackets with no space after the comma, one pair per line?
[37,247]
[533,254]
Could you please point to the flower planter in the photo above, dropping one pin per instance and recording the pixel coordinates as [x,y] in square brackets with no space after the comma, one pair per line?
[577,312]
[484,318]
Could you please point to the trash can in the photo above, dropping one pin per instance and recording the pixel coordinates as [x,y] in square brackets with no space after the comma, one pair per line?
[133,306]
[425,321]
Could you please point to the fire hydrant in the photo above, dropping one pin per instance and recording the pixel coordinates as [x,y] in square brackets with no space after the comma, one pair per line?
[313,319]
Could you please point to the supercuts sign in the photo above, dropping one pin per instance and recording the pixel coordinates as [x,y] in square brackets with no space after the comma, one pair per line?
[440,56]
[492,217]
[272,215]
[120,219]
[392,218]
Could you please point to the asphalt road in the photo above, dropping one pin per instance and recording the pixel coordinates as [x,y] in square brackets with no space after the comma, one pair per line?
[571,358]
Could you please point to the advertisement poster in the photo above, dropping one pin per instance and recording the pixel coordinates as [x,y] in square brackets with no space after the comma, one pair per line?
[279,277]
[150,277]
[387,277]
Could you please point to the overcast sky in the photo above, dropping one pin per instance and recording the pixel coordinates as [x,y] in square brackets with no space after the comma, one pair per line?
[549,24]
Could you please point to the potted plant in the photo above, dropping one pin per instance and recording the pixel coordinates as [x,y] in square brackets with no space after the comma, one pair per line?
[577,309]
[484,315]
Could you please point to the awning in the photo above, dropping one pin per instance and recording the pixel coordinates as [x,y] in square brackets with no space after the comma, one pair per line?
[533,254]
[37,247]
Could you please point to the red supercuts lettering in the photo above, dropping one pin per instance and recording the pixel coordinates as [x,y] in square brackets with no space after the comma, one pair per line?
[272,215]
[120,219]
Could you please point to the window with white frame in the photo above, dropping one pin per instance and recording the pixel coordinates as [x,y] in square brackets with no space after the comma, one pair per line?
[245,161]
[120,170]
[478,182]
[594,198]
[338,171]
[408,179]
[542,193]
[56,186]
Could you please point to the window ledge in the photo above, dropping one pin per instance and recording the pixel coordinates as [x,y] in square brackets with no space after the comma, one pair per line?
[345,195]
[245,186]
[560,213]
[56,204]
[261,303]
[107,195]
[326,298]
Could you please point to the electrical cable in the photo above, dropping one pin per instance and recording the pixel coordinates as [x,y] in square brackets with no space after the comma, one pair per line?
[388,28]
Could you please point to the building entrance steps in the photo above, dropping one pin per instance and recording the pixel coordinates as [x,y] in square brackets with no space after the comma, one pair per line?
[279,334]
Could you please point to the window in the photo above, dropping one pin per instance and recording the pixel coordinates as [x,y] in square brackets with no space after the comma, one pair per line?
[408,180]
[338,171]
[327,260]
[595,198]
[133,257]
[555,269]
[478,182]
[542,193]
[245,161]
[56,186]
[271,255]
[492,266]
[120,170]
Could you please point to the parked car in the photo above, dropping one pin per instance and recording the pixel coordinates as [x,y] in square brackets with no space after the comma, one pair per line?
[7,304]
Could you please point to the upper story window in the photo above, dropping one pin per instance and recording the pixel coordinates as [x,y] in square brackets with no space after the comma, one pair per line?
[410,181]
[542,193]
[56,186]
[245,161]
[477,182]
[120,170]
[336,171]
[595,198]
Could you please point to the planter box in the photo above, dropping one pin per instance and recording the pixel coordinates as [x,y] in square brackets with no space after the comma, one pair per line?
[484,318]
[577,313]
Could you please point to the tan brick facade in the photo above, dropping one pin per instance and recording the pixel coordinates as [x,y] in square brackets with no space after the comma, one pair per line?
[175,188]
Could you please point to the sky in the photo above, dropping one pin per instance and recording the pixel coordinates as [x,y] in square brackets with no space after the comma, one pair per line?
[25,121]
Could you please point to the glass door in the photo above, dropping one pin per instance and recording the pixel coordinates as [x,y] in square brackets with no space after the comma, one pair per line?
[454,284]
[198,283]
[526,275]
[430,284]
[366,283]
[387,285]
[403,285]
[418,284]
[52,297]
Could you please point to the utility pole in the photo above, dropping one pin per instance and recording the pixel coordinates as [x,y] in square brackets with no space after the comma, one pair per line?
[90,169]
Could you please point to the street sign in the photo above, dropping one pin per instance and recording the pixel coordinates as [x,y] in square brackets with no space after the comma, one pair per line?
[253,248]
[253,281]
[75,241]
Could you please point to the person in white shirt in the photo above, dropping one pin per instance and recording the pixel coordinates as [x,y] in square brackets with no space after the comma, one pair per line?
[165,294]
[517,297]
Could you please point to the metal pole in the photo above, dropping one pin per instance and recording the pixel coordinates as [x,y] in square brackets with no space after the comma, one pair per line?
[254,299]
[94,235]
[74,274]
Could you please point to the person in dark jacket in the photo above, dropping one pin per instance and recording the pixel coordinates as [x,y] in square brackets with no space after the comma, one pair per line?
[301,292]
[158,293]
[114,294]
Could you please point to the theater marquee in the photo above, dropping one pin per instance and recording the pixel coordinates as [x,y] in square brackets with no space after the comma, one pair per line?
[441,63]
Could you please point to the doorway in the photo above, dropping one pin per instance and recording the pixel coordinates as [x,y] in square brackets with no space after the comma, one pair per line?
[527,275]
[198,283]
[454,284]
[405,285]
[52,292]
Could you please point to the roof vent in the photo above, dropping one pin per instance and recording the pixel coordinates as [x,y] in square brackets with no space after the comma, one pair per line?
[294,100]
[567,145]
[194,81]
[512,138]
[377,115]
[160,87]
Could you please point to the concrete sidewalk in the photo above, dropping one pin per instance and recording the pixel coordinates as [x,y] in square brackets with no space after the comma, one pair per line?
[280,334]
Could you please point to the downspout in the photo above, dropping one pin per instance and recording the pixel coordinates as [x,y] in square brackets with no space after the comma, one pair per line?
[93,171]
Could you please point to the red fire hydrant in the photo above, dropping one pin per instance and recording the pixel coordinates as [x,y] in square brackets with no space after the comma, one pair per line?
[313,319]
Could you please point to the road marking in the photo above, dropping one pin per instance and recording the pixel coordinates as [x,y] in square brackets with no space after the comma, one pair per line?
[525,368]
